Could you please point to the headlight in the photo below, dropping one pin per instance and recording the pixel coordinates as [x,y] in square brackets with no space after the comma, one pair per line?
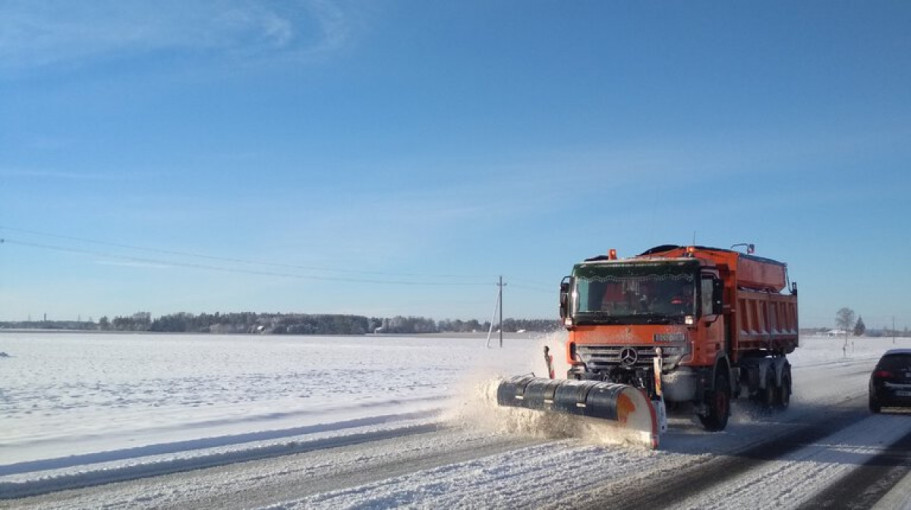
[672,355]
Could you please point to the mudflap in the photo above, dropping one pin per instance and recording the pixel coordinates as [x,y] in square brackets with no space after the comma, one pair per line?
[661,412]
[626,407]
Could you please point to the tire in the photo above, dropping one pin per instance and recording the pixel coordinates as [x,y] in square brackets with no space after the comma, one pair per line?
[784,392]
[875,407]
[718,405]
[768,396]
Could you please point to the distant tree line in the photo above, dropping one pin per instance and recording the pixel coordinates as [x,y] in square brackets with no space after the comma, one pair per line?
[284,324]
[51,325]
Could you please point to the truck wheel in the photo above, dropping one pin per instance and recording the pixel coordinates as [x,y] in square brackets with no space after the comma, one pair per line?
[718,404]
[784,393]
[768,396]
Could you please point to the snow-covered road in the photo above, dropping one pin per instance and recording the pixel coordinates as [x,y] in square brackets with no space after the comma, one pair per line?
[416,431]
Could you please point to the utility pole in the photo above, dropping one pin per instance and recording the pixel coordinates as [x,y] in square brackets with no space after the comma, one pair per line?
[500,306]
[893,330]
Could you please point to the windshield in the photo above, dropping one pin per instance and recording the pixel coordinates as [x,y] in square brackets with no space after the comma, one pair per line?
[894,362]
[635,293]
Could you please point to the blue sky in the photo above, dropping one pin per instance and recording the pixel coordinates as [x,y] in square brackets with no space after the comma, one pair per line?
[393,158]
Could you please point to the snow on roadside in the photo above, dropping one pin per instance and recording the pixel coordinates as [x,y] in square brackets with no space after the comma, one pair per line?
[92,405]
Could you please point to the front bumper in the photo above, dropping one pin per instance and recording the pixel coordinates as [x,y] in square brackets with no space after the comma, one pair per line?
[683,384]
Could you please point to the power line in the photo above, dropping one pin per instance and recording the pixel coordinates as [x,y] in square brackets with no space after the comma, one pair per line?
[531,287]
[219,258]
[210,267]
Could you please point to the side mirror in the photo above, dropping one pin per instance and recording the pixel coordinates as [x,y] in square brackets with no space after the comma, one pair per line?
[717,297]
[564,297]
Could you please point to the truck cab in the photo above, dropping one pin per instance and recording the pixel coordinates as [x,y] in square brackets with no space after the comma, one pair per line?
[622,314]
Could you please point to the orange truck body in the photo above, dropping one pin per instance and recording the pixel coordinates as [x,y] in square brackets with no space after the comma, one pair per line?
[734,319]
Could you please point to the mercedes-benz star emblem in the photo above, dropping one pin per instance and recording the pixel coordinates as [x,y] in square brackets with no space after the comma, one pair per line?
[628,356]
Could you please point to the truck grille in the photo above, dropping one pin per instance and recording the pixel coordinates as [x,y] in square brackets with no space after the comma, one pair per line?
[598,357]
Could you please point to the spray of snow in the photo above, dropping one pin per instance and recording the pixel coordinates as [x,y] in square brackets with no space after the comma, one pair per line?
[475,404]
[474,401]
[481,411]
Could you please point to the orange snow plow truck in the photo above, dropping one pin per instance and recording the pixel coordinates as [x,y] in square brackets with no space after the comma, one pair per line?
[682,325]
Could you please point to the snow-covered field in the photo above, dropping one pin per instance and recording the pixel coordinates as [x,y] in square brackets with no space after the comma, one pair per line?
[76,407]
[69,397]
[75,394]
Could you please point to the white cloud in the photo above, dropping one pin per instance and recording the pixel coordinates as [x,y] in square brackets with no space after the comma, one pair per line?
[52,32]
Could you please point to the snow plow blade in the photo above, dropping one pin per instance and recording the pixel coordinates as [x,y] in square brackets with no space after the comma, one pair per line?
[625,406]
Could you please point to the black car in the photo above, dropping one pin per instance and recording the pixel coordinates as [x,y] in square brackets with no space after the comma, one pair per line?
[890,382]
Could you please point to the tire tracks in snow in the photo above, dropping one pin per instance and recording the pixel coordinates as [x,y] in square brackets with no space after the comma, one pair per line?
[864,486]
[271,481]
[296,486]
[663,489]
[79,480]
